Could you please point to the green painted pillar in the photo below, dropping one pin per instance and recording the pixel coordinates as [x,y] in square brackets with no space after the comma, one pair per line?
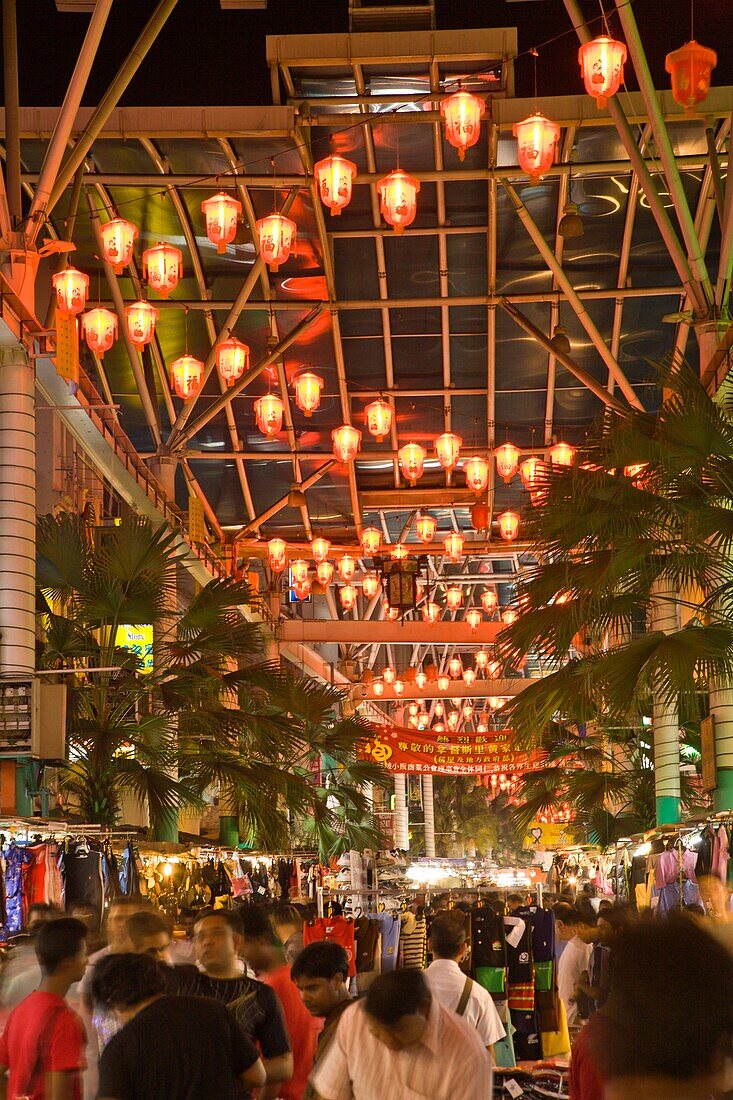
[721,708]
[24,784]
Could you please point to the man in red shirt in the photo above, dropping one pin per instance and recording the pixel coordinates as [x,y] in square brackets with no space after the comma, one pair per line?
[42,1048]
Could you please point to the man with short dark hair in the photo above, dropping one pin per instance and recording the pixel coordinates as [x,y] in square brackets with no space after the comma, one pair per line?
[399,1041]
[321,973]
[21,974]
[150,934]
[42,1047]
[575,958]
[170,1048]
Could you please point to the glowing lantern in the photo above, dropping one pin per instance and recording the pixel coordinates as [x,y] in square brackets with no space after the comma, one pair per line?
[346,442]
[479,516]
[530,472]
[431,671]
[303,590]
[431,612]
[474,618]
[308,388]
[489,600]
[632,472]
[277,237]
[187,375]
[493,669]
[378,688]
[371,541]
[99,327]
[379,419]
[391,613]
[422,720]
[476,470]
[453,546]
[71,288]
[398,552]
[455,667]
[443,683]
[347,596]
[335,176]
[509,615]
[453,719]
[299,570]
[398,687]
[420,679]
[412,461]
[141,320]
[398,199]
[454,597]
[537,139]
[163,268]
[346,567]
[448,449]
[222,214]
[118,238]
[690,67]
[232,359]
[481,659]
[467,710]
[562,454]
[508,525]
[269,414]
[324,572]
[495,702]
[482,728]
[370,585]
[439,709]
[276,550]
[438,727]
[602,67]
[507,460]
[413,710]
[319,549]
[462,113]
[426,526]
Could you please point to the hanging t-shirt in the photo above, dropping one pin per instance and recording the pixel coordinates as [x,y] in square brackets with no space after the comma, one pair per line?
[413,941]
[390,925]
[334,930]
[366,931]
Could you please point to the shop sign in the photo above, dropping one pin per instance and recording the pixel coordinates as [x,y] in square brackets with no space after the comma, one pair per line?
[543,835]
[407,751]
[137,640]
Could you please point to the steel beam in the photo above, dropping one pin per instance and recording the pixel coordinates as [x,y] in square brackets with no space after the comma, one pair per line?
[12,111]
[281,503]
[350,632]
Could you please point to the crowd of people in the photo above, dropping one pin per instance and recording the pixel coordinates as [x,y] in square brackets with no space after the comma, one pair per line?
[235,1006]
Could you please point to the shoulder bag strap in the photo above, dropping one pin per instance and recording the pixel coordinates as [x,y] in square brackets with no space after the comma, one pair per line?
[465,996]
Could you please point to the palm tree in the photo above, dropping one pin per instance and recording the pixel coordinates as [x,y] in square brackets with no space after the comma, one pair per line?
[629,606]
[211,711]
[465,812]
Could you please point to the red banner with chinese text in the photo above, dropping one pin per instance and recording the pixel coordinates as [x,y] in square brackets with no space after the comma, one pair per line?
[408,751]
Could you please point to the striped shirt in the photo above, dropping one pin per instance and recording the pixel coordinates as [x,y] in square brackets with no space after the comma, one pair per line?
[448,1062]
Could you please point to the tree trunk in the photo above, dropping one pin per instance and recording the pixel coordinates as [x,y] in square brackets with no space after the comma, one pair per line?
[665,719]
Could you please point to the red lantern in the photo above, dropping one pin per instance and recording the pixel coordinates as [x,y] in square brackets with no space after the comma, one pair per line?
[269,414]
[141,320]
[222,214]
[420,679]
[493,669]
[187,375]
[99,327]
[379,419]
[633,471]
[378,688]
[462,113]
[481,658]
[454,597]
[276,553]
[508,525]
[346,442]
[308,388]
[163,268]
[391,613]
[469,674]
[467,710]
[398,687]
[455,667]
[431,671]
[398,199]
[324,572]
[277,238]
[431,612]
[602,67]
[509,615]
[476,470]
[413,710]
[562,454]
[690,66]
[299,570]
[71,288]
[474,618]
[303,590]
[346,567]
[489,600]
[479,516]
[507,460]
[448,449]
[531,471]
[453,720]
[388,674]
[537,139]
[335,176]
[232,359]
[371,541]
[443,683]
[347,596]
[398,552]
[319,549]
[454,546]
[412,461]
[118,238]
[370,585]
[426,526]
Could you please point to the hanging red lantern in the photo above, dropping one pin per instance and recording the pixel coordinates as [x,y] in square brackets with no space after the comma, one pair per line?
[308,388]
[346,567]
[453,719]
[431,612]
[232,359]
[413,710]
[467,710]
[277,238]
[335,176]
[319,549]
[448,449]
[507,460]
[431,671]
[269,414]
[367,676]
[370,585]
[602,67]
[99,328]
[509,615]
[141,321]
[481,658]
[346,442]
[469,674]
[481,727]
[420,679]
[454,597]
[443,683]
[489,600]
[299,570]
[71,288]
[562,454]
[347,596]
[392,614]
[324,573]
[476,470]
[412,461]
[508,525]
[371,541]
[493,669]
[690,67]
[425,527]
[479,516]
[453,545]
[378,688]
[222,215]
[530,472]
[455,667]
[474,618]
[388,674]
[398,687]
[303,590]
[462,113]
[398,199]
[163,268]
[276,553]
[379,419]
[118,238]
[633,471]
[537,139]
[187,375]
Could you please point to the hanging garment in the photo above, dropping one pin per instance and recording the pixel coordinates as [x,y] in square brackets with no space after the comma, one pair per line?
[670,866]
[542,922]
[334,930]
[519,950]
[16,858]
[413,941]
[390,932]
[721,853]
[84,878]
[488,943]
[367,937]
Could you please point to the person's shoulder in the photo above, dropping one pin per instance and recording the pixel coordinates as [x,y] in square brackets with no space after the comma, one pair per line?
[458,1035]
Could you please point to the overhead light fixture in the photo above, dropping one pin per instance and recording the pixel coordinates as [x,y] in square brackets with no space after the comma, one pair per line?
[296,497]
[560,340]
[571,223]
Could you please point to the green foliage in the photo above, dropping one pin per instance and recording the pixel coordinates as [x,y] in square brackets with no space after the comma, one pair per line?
[465,815]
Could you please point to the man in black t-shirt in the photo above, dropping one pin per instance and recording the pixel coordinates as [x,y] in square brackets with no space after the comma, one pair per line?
[180,1048]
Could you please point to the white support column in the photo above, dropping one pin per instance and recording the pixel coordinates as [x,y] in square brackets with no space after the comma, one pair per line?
[665,719]
[428,815]
[402,817]
[721,708]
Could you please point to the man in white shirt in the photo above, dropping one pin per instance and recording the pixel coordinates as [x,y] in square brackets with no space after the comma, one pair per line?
[399,1041]
[449,985]
[574,959]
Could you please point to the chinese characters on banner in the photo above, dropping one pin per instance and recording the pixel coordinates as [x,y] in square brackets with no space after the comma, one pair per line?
[408,751]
